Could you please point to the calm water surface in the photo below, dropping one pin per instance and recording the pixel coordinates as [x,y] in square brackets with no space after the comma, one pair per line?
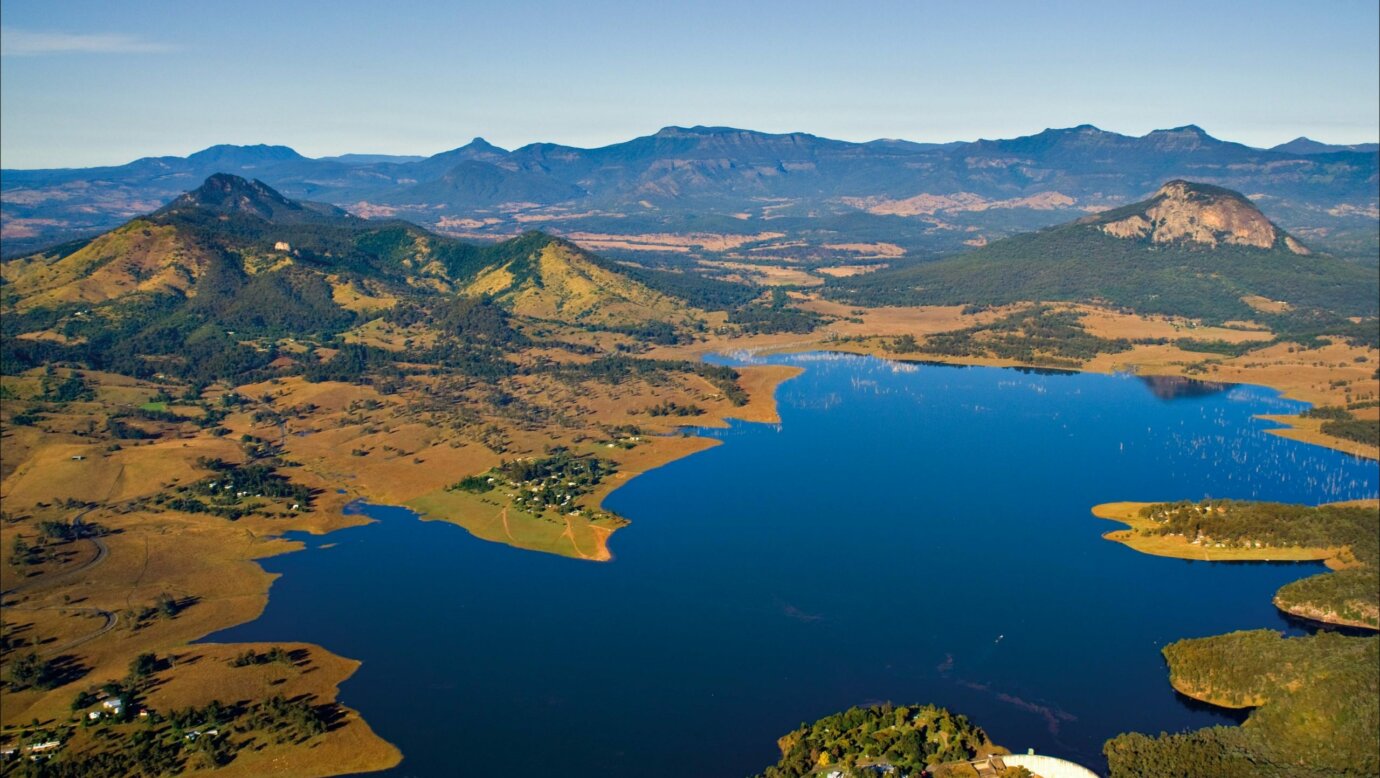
[907,533]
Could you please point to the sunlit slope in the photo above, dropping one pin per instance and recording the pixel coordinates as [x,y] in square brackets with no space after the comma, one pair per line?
[555,280]
[139,257]
[231,233]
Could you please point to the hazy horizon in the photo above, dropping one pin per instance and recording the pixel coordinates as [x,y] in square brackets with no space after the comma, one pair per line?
[460,143]
[87,83]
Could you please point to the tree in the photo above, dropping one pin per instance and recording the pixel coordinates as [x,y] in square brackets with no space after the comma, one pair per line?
[168,605]
[29,670]
[143,666]
[904,344]
[19,552]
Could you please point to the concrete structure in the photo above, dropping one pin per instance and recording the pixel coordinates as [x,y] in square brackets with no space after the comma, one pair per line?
[1041,766]
[1048,766]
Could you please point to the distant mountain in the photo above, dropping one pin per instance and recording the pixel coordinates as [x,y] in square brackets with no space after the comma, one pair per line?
[438,165]
[373,159]
[1302,145]
[929,199]
[225,195]
[477,184]
[1191,249]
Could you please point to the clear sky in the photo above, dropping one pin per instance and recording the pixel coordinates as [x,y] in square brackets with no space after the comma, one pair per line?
[88,83]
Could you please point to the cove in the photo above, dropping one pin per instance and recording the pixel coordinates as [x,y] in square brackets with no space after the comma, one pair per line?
[912,533]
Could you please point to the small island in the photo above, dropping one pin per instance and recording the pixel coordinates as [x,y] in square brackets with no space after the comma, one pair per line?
[906,741]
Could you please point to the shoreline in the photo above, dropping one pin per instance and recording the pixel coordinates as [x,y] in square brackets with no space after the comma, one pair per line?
[1293,426]
[1140,361]
[760,381]
[244,585]
[1321,619]
[1176,547]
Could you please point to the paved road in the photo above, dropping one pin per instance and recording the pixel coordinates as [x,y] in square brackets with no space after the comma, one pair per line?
[66,575]
[111,621]
[46,581]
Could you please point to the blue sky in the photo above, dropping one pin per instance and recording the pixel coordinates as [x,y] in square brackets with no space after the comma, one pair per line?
[86,83]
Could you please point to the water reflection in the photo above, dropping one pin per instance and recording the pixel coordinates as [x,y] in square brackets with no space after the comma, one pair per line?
[1173,387]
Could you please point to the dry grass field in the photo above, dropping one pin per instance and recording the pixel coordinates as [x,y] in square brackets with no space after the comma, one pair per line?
[1178,547]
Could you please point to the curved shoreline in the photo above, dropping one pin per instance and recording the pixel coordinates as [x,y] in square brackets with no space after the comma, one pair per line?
[761,408]
[1318,617]
[1293,426]
[1175,547]
[1178,547]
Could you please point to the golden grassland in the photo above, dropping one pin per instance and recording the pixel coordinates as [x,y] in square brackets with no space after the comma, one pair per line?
[405,448]
[201,670]
[1179,547]
[845,271]
[139,256]
[572,288]
[674,242]
[85,603]
[764,274]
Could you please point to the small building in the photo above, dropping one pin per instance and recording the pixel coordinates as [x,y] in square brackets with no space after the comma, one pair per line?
[38,748]
[282,245]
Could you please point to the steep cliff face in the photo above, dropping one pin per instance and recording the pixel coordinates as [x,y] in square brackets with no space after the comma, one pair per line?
[1182,211]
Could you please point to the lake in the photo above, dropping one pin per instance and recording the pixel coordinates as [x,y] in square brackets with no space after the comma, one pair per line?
[914,533]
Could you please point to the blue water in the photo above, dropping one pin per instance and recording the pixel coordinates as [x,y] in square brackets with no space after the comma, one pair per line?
[907,533]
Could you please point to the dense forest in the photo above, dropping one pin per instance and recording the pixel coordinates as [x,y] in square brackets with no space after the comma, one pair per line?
[1351,596]
[1316,701]
[909,738]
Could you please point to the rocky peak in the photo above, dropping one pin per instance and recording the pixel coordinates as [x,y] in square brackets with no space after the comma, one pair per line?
[225,194]
[1184,138]
[1186,212]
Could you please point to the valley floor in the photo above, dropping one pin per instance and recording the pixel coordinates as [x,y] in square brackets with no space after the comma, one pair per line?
[92,604]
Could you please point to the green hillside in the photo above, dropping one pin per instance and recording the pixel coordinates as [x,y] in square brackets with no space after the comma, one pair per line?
[185,289]
[1198,275]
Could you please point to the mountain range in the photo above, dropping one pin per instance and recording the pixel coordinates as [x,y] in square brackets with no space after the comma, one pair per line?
[185,287]
[794,195]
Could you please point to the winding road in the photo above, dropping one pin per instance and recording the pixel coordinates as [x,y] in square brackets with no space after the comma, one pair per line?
[47,581]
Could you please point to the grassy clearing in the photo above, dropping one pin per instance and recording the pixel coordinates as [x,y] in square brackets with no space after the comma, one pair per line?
[1140,538]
